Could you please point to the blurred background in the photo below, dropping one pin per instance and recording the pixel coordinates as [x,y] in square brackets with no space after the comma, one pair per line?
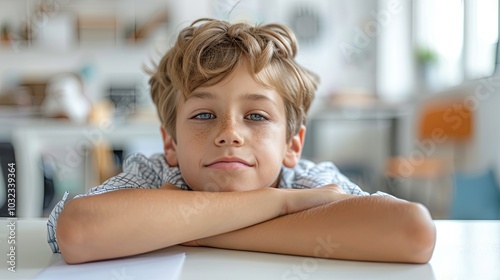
[408,101]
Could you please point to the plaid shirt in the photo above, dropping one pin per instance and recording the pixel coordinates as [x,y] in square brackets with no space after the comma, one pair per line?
[152,173]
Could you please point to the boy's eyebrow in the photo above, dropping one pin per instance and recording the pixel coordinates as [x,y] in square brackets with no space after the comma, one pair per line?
[201,95]
[257,97]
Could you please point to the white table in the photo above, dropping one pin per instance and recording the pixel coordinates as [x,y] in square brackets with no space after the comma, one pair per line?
[464,250]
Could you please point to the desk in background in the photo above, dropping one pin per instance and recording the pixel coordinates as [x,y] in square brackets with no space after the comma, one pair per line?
[30,138]
[464,250]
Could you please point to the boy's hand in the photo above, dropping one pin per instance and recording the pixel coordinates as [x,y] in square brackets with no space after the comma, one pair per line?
[303,199]
[335,188]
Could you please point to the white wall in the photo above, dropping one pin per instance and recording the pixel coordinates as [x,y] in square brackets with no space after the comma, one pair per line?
[484,97]
[395,67]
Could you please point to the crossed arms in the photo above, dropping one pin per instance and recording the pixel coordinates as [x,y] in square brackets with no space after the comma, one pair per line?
[323,222]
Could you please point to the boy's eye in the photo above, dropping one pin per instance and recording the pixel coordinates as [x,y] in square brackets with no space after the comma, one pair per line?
[204,116]
[256,117]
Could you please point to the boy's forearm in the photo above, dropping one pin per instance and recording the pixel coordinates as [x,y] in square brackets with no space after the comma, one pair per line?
[133,221]
[362,228]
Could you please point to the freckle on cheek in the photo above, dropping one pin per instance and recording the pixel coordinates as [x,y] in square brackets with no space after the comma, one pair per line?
[201,135]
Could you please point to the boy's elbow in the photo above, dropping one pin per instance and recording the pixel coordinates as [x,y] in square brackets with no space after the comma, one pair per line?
[69,245]
[421,234]
[70,239]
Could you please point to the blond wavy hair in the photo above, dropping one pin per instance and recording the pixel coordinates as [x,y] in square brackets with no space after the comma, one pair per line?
[208,50]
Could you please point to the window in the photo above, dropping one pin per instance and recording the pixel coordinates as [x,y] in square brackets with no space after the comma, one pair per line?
[482,37]
[455,40]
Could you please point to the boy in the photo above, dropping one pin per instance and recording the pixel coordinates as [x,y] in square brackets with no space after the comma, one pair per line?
[233,103]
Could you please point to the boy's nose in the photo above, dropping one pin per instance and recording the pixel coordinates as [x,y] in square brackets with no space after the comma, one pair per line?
[229,134]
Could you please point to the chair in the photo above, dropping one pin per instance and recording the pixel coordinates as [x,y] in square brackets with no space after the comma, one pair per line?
[475,197]
[440,123]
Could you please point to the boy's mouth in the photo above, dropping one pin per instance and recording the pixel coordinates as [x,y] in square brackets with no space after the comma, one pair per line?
[228,164]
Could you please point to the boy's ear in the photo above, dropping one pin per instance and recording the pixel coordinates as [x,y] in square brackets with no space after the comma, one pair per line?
[294,148]
[169,147]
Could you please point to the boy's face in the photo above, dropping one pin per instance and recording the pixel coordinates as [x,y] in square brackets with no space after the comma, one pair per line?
[231,136]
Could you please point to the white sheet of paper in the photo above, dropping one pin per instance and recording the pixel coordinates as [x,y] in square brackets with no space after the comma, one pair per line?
[137,267]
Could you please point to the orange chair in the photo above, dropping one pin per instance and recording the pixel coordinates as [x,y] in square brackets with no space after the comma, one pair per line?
[452,118]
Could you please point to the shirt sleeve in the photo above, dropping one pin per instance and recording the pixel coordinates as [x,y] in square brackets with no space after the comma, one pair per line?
[139,172]
[309,175]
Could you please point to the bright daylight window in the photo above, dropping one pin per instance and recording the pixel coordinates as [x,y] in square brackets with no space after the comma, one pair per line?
[455,40]
[482,34]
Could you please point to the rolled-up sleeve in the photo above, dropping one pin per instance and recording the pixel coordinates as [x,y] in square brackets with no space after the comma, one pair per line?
[51,224]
